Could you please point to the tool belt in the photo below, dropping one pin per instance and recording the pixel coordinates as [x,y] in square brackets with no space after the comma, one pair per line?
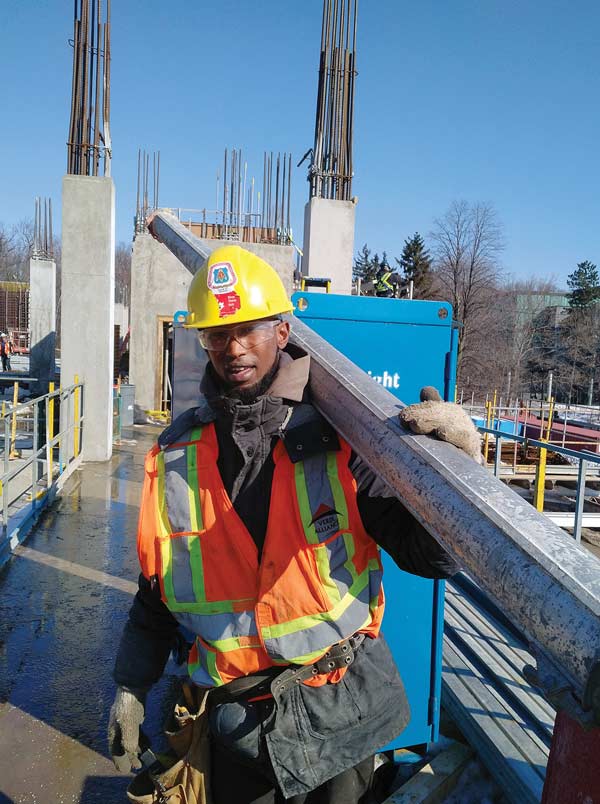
[275,680]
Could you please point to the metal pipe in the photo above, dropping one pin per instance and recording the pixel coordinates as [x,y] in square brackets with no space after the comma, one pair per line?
[546,584]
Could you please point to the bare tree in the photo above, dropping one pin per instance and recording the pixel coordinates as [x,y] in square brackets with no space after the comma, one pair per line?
[123,273]
[468,242]
[15,250]
[519,306]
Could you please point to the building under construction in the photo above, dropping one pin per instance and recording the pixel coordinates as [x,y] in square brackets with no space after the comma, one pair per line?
[14,313]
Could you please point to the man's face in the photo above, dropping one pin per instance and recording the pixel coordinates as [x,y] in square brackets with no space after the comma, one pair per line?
[249,356]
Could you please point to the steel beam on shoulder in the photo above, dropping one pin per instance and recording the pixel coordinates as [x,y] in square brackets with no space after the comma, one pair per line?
[189,249]
[539,577]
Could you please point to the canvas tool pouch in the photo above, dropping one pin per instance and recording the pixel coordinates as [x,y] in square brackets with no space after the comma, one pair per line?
[187,781]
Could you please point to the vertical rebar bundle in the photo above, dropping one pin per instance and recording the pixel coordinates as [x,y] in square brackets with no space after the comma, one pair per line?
[143,201]
[43,248]
[330,173]
[89,129]
[269,212]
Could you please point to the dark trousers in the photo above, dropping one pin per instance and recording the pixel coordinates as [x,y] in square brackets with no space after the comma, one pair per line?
[233,782]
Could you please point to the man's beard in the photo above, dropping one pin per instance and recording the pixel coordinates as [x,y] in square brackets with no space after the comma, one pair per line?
[249,395]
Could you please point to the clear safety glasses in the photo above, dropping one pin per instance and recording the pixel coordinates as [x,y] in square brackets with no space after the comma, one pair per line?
[247,335]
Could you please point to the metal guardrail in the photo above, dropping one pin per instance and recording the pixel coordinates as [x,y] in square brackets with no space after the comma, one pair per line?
[583,457]
[542,580]
[30,426]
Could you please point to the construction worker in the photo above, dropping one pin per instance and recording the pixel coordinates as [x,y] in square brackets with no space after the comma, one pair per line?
[388,282]
[4,351]
[258,539]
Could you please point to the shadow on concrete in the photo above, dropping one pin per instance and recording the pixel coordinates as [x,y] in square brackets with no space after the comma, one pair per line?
[42,364]
[63,603]
[104,790]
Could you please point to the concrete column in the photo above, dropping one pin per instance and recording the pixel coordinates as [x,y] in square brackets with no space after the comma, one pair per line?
[42,322]
[329,242]
[159,286]
[87,303]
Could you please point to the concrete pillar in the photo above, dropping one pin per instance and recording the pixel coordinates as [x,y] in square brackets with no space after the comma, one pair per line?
[329,242]
[87,303]
[159,286]
[42,322]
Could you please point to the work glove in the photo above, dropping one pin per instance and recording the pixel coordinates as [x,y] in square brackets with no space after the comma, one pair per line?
[444,420]
[126,740]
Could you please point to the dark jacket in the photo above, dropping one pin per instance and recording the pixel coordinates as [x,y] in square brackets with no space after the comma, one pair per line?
[370,700]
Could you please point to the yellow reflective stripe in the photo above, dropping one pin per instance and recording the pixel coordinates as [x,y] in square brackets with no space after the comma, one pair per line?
[233,643]
[197,568]
[202,607]
[308,621]
[211,667]
[167,574]
[333,593]
[349,563]
[193,489]
[163,517]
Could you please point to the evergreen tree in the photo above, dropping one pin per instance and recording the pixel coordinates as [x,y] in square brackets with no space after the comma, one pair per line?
[416,264]
[362,263]
[584,283]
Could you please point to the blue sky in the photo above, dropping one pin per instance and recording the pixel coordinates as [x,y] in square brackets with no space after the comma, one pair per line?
[486,100]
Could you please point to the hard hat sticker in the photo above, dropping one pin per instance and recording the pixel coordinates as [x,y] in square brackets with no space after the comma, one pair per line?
[229,303]
[221,278]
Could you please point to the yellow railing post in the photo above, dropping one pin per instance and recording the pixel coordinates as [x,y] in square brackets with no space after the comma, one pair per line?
[13,430]
[540,480]
[486,438]
[540,472]
[50,423]
[76,418]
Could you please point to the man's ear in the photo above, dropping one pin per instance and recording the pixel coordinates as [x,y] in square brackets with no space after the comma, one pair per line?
[282,332]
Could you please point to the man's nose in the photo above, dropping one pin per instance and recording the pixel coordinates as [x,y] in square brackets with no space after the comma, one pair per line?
[234,348]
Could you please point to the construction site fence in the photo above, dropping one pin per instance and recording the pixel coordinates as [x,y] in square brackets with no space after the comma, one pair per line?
[41,447]
[584,463]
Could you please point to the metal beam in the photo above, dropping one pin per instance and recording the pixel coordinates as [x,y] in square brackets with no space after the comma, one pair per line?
[539,577]
[189,249]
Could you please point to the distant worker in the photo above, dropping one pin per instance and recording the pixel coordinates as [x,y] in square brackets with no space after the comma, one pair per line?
[388,282]
[258,539]
[4,351]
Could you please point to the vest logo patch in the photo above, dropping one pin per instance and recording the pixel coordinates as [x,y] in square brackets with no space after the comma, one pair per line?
[325,521]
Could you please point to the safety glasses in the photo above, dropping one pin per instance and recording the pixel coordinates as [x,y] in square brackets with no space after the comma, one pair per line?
[247,335]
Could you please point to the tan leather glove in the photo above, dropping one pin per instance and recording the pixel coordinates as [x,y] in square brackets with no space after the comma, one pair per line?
[124,729]
[444,420]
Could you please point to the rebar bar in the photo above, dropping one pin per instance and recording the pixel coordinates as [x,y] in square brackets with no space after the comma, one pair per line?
[143,204]
[249,214]
[331,169]
[89,138]
[42,248]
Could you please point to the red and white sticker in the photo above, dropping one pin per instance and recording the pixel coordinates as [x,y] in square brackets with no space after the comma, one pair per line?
[229,303]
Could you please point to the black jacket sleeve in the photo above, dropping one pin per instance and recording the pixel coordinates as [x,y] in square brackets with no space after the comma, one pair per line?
[149,635]
[394,529]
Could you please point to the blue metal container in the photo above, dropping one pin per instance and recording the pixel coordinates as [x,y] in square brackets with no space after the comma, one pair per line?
[403,345]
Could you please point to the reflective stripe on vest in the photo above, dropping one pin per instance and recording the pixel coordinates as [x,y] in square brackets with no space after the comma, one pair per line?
[206,558]
[383,283]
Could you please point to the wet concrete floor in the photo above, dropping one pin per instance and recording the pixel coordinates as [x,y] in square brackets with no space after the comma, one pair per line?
[64,599]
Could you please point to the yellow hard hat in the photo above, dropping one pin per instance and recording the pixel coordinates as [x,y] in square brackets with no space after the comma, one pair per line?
[234,286]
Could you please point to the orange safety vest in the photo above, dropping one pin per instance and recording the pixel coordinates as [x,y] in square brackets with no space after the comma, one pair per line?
[319,579]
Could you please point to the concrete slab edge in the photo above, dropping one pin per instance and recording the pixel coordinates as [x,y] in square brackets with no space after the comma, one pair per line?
[21,524]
